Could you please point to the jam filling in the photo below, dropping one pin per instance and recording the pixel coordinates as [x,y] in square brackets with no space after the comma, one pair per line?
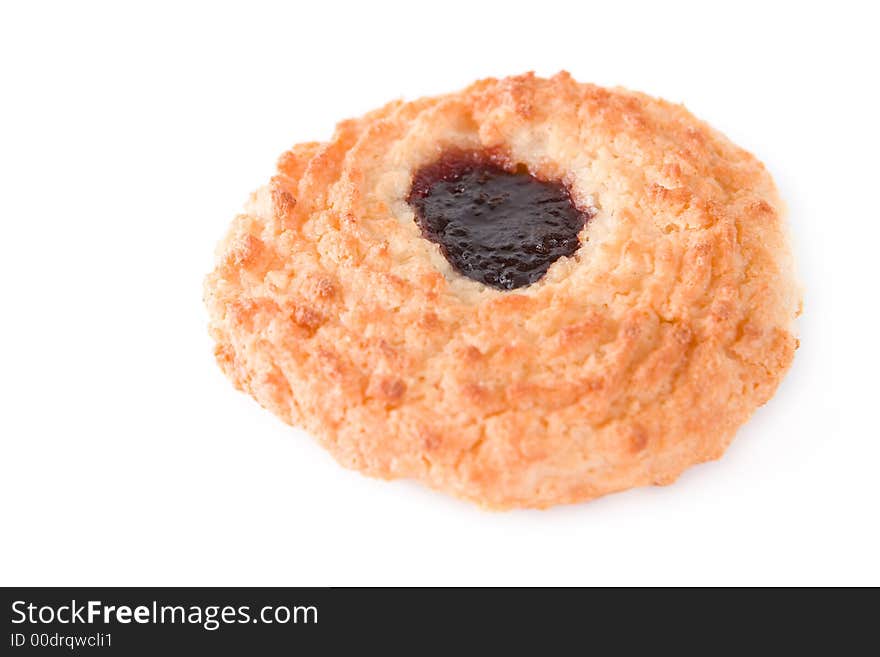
[495,226]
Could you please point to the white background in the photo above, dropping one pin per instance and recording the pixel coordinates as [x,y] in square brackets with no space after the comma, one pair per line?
[130,137]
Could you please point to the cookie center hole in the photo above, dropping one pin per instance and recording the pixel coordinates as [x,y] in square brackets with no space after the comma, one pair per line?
[499,227]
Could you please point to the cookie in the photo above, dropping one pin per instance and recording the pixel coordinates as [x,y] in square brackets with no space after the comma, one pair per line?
[527,293]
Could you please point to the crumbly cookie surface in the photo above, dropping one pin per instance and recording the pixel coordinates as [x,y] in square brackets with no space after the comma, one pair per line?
[629,361]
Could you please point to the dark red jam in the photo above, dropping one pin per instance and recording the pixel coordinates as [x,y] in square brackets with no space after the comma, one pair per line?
[495,226]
